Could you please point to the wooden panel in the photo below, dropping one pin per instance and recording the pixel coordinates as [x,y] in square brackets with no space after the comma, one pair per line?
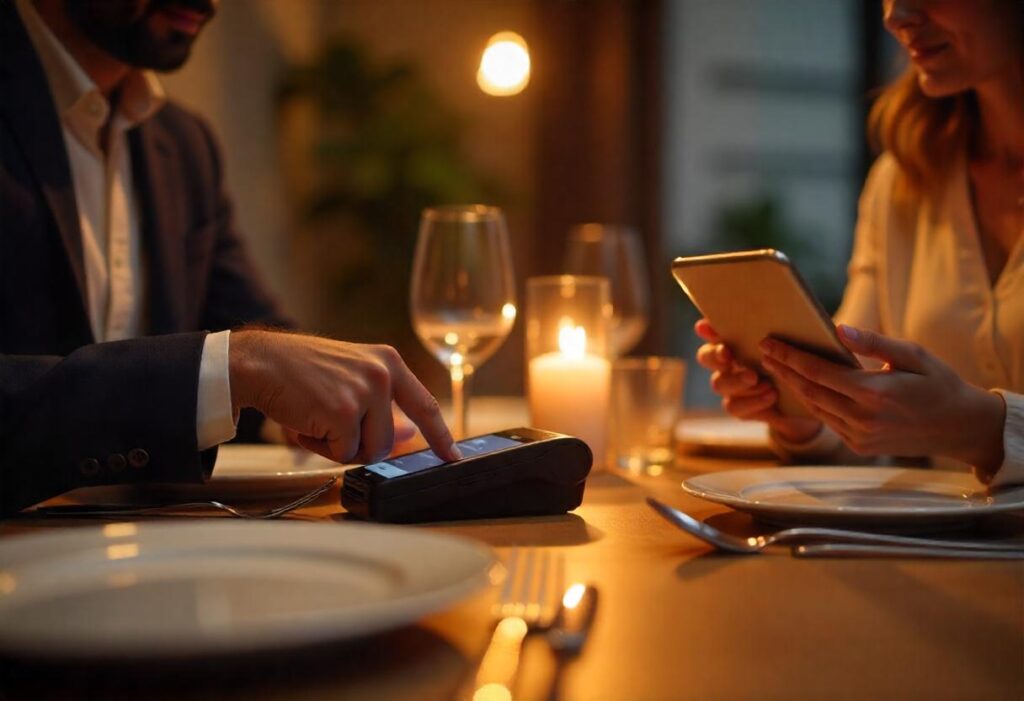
[597,81]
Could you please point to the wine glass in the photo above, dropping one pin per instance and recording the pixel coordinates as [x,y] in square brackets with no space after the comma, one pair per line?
[463,292]
[614,252]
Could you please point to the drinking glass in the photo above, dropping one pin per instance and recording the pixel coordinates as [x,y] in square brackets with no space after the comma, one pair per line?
[647,396]
[462,294]
[614,252]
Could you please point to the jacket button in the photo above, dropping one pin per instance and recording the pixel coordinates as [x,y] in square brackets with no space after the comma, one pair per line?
[116,462]
[137,457]
[89,467]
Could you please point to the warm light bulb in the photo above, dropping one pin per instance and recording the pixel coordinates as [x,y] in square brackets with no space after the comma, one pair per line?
[505,65]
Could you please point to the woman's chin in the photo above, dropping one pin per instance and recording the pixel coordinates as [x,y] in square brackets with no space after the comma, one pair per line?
[933,85]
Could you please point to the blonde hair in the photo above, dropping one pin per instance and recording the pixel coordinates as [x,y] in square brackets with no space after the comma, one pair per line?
[924,134]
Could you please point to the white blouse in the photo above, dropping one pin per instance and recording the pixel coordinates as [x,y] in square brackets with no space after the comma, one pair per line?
[918,273]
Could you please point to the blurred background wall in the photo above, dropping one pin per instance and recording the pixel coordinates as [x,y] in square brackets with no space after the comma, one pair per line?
[708,124]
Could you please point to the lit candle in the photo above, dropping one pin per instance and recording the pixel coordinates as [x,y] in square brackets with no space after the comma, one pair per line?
[569,391]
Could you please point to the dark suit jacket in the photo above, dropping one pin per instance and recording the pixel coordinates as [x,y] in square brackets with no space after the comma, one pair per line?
[74,412]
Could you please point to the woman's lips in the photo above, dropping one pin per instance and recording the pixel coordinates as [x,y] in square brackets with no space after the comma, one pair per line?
[923,52]
[183,19]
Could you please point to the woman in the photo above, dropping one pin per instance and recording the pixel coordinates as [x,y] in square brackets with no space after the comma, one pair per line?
[936,281]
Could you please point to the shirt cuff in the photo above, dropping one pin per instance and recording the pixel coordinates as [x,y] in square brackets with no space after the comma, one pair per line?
[215,420]
[1012,469]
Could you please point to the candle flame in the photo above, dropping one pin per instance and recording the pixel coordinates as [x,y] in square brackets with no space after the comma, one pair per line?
[572,340]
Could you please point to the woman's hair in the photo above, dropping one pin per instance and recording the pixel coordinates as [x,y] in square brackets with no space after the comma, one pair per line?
[923,133]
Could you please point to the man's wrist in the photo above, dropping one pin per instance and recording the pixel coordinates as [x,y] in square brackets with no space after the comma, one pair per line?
[244,361]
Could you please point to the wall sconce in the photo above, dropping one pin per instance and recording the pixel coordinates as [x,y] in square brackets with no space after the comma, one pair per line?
[505,65]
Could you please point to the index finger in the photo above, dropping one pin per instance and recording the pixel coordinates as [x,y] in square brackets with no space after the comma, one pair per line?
[422,408]
[706,331]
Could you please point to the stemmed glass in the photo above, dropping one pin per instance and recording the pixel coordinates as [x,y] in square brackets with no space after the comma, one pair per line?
[614,252]
[463,292]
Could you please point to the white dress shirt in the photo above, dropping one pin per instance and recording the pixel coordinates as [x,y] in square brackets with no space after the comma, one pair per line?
[918,273]
[108,213]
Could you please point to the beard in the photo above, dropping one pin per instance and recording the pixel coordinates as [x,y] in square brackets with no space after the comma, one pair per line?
[127,31]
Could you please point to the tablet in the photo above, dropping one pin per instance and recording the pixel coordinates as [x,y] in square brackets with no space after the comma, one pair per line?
[749,295]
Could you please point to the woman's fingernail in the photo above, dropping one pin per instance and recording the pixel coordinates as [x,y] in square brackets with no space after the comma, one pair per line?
[454,450]
[767,346]
[850,332]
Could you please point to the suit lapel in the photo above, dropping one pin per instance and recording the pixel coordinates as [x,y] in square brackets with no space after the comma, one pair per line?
[162,222]
[31,114]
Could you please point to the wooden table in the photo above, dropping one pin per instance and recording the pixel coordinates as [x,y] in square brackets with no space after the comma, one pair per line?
[676,621]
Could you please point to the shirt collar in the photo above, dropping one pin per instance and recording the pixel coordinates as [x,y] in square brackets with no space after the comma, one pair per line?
[80,103]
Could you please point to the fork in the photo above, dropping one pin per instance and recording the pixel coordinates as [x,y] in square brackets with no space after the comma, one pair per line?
[120,511]
[861,550]
[755,544]
[527,604]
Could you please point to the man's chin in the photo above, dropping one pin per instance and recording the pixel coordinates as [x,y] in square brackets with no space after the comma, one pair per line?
[166,57]
[171,64]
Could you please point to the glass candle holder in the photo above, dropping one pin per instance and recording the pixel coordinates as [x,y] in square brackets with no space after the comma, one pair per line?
[568,320]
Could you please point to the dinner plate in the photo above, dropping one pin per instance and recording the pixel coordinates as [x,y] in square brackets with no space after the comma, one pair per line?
[158,591]
[861,495]
[722,435]
[257,471]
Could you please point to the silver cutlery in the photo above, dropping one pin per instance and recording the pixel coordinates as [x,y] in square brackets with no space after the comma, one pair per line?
[527,604]
[569,631]
[571,626]
[755,544]
[532,601]
[123,510]
[863,550]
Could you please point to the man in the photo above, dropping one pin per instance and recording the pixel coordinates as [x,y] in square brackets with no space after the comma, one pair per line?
[118,252]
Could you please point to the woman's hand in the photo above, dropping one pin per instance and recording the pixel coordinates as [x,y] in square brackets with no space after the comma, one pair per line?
[915,405]
[745,395]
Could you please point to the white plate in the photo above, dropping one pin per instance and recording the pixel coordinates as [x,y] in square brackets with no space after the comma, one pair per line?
[722,435]
[865,495]
[257,471]
[147,590]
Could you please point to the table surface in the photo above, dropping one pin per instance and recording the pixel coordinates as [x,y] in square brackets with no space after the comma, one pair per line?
[676,621]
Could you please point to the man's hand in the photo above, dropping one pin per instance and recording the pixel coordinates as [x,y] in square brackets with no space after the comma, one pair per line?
[336,396]
[405,433]
[915,405]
